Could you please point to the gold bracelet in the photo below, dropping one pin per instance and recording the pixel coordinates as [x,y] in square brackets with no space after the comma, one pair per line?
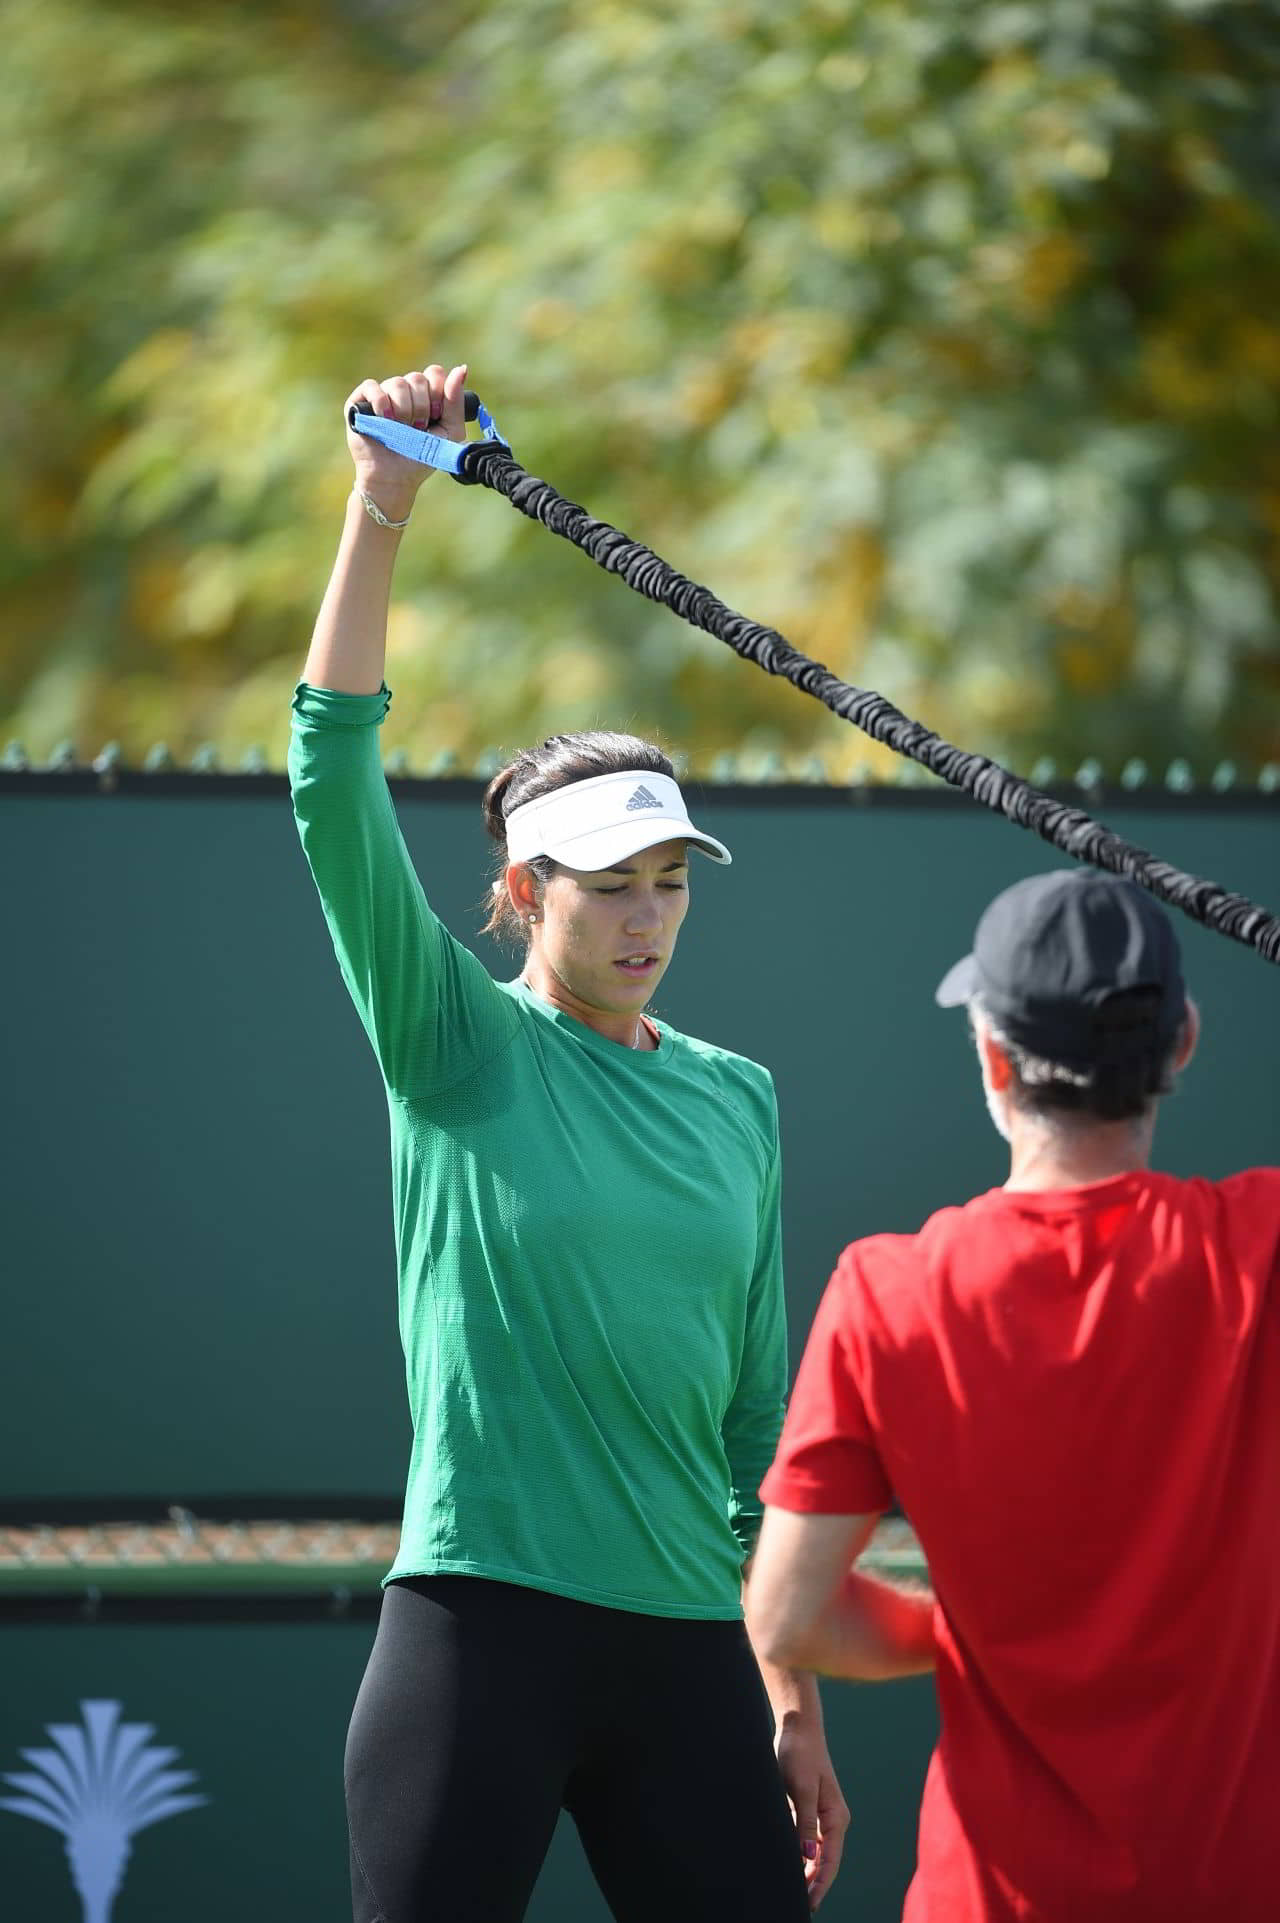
[371,508]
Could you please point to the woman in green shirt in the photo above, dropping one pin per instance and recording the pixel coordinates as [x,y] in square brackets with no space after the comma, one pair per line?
[591,1309]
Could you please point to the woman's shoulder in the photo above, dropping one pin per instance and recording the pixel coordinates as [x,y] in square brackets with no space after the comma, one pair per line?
[736,1076]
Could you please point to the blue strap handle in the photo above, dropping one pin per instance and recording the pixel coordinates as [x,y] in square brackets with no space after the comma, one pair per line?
[416,444]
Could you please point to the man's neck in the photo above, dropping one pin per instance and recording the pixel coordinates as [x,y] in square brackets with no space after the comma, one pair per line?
[1068,1154]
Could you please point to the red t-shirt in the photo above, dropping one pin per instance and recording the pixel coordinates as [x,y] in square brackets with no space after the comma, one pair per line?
[1075,1397]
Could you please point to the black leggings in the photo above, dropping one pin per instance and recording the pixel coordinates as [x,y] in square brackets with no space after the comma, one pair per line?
[487,1708]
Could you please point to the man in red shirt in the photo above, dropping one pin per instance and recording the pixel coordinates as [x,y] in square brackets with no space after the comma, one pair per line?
[1071,1385]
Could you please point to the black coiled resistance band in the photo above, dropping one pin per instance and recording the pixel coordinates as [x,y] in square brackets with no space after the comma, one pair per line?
[490,463]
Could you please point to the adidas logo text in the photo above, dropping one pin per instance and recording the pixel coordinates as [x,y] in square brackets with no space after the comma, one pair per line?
[642,799]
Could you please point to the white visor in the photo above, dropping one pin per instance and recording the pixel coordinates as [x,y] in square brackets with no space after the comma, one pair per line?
[596,824]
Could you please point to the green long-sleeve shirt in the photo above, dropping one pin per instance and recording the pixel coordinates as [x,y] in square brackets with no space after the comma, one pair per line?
[588,1242]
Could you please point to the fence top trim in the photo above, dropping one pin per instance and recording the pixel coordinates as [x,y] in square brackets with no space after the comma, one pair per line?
[917,791]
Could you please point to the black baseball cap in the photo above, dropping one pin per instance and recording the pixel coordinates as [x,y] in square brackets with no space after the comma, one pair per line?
[1051,952]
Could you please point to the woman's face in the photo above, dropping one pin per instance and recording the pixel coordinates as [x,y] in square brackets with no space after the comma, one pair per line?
[603,939]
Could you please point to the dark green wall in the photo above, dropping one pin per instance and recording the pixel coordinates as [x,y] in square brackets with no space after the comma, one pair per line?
[196,1226]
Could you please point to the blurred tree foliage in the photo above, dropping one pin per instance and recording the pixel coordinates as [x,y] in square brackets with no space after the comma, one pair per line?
[944,337]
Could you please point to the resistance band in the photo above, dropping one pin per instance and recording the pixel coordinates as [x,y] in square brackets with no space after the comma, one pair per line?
[490,463]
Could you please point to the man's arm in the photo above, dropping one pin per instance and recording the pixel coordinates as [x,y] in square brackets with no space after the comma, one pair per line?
[809,1609]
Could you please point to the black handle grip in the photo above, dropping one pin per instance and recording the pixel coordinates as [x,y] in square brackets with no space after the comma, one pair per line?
[470,406]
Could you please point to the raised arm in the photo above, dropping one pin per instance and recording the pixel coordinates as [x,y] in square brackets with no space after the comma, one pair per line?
[349,642]
[430,1009]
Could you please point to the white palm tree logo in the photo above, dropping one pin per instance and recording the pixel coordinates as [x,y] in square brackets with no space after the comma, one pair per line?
[98,1785]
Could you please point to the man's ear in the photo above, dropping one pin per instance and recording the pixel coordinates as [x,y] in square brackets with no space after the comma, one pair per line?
[995,1060]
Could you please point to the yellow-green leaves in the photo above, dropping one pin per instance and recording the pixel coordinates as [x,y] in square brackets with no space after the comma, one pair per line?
[944,338]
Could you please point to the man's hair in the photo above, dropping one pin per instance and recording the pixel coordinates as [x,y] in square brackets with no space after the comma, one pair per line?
[1131,1068]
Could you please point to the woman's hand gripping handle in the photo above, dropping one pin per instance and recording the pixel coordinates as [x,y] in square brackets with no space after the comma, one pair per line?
[431,399]
[349,642]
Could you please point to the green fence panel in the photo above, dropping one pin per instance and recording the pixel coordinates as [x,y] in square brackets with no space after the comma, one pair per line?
[196,1232]
[258,1712]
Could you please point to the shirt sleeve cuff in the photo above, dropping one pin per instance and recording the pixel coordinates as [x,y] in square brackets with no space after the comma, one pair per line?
[327,708]
[851,1492]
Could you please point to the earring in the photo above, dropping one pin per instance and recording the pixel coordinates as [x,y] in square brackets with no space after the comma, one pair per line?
[533,918]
